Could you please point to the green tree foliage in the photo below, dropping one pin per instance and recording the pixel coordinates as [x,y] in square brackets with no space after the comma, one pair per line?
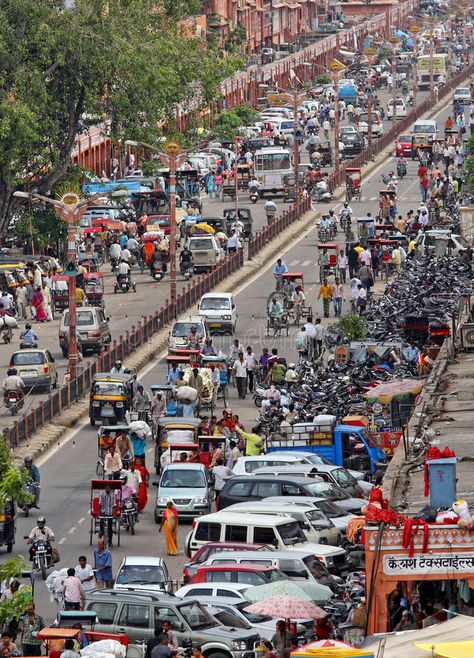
[12,479]
[246,114]
[351,327]
[227,124]
[124,61]
[42,225]
[13,608]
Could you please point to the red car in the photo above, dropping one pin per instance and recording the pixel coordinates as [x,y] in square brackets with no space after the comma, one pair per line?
[213,547]
[403,145]
[247,574]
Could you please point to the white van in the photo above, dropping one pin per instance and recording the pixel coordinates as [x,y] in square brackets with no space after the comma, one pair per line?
[206,252]
[401,108]
[283,126]
[439,242]
[282,532]
[247,465]
[317,527]
[218,308]
[338,516]
[425,127]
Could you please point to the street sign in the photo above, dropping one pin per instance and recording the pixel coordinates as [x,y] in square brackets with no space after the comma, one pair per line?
[336,66]
[275,99]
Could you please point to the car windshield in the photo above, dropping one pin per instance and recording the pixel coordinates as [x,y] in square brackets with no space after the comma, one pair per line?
[227,618]
[83,318]
[200,243]
[182,479]
[329,508]
[325,490]
[250,616]
[285,125]
[108,388]
[404,138]
[346,130]
[423,128]
[28,358]
[215,304]
[343,477]
[272,576]
[196,616]
[317,519]
[351,137]
[140,574]
[182,329]
[291,533]
[463,90]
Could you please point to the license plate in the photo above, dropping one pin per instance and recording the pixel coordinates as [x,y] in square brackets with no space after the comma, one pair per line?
[107,411]
[28,373]
[215,325]
[83,334]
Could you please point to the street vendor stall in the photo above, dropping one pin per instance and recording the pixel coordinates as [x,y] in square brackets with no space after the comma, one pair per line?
[395,399]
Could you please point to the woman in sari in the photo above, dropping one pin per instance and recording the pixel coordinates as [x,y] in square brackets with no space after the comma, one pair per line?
[170,522]
[37,303]
[142,489]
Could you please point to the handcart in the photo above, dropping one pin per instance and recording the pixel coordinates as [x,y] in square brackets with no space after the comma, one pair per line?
[106,525]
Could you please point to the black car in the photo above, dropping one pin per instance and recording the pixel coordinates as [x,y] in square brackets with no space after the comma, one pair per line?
[354,143]
[242,488]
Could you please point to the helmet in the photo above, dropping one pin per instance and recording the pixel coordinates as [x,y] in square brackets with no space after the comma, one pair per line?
[28,325]
[41,521]
[118,363]
[28,459]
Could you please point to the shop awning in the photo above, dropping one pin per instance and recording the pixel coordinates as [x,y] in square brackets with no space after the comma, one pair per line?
[395,390]
[450,649]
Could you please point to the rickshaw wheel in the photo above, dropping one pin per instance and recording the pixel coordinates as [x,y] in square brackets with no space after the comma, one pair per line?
[91,532]
[10,547]
[118,534]
[224,395]
[131,526]
[287,328]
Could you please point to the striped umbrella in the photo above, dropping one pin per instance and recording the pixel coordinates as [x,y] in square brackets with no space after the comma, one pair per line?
[300,589]
[289,607]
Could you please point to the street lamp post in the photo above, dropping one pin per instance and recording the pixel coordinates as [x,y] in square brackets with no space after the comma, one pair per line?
[173,157]
[70,209]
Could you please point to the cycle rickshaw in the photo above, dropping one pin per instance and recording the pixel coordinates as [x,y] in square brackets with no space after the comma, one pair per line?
[106,438]
[94,288]
[278,323]
[292,282]
[327,260]
[167,391]
[106,525]
[60,292]
[353,183]
[221,364]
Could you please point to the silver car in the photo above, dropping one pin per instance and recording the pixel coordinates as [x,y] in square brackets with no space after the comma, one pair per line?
[188,486]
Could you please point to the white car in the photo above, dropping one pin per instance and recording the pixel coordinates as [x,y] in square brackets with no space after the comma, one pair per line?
[401,108]
[377,124]
[462,94]
[338,516]
[143,573]
[218,308]
[233,591]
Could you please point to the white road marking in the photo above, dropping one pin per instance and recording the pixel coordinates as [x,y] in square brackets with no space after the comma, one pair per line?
[294,262]
[305,263]
[73,529]
[61,541]
[81,520]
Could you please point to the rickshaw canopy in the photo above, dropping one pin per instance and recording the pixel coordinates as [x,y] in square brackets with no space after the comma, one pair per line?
[202,227]
[118,377]
[113,428]
[91,230]
[75,616]
[156,388]
[93,276]
[179,422]
[58,634]
[332,246]
[293,276]
[100,485]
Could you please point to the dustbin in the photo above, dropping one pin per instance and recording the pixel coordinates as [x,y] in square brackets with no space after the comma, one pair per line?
[442,475]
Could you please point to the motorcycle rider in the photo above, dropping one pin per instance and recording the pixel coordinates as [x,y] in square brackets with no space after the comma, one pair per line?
[254,186]
[33,477]
[123,270]
[345,211]
[185,259]
[40,532]
[118,368]
[28,337]
[193,339]
[270,210]
[13,382]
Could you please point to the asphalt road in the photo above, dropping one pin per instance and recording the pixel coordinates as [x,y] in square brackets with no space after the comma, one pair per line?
[125,310]
[66,471]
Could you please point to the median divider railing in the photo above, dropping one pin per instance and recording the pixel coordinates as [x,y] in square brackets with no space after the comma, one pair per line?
[147,326]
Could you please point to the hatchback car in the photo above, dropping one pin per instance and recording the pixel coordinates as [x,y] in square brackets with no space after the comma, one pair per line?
[92,329]
[354,143]
[401,108]
[143,572]
[235,591]
[213,548]
[377,124]
[36,367]
[246,574]
[188,486]
[403,146]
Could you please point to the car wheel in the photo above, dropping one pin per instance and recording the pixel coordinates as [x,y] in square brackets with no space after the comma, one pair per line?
[157,517]
[92,422]
[55,383]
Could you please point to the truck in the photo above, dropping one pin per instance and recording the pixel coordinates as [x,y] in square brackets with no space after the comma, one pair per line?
[351,446]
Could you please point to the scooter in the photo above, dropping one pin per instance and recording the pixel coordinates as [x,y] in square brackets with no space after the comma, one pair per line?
[157,270]
[13,401]
[129,515]
[187,270]
[28,346]
[322,196]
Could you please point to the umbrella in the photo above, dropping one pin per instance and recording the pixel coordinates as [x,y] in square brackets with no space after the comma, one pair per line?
[301,589]
[202,227]
[321,644]
[289,607]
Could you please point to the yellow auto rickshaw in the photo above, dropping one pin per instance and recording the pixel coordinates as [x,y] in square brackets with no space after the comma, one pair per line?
[110,398]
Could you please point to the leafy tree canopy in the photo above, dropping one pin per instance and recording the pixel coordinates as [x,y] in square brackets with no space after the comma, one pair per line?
[66,65]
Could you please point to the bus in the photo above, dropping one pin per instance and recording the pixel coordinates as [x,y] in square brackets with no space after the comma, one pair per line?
[271,165]
[440,69]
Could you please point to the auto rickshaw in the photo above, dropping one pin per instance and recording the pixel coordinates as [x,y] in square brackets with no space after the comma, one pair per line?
[107,437]
[327,260]
[207,446]
[353,183]
[387,204]
[221,364]
[365,229]
[244,216]
[421,142]
[167,391]
[289,187]
[8,524]
[174,430]
[110,398]
[94,288]
[60,292]
[104,524]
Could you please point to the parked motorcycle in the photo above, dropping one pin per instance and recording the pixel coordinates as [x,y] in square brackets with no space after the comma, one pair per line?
[187,269]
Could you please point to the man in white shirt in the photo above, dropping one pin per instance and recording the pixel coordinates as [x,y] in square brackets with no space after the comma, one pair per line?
[310,330]
[342,263]
[74,594]
[123,268]
[216,382]
[221,473]
[114,251]
[319,336]
[85,573]
[365,258]
[252,363]
[240,373]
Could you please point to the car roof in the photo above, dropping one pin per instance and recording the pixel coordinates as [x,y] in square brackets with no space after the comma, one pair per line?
[288,469]
[186,465]
[217,295]
[143,560]
[268,478]
[293,456]
[215,544]
[131,595]
[264,504]
[189,318]
[236,567]
[264,555]
[236,587]
[231,517]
